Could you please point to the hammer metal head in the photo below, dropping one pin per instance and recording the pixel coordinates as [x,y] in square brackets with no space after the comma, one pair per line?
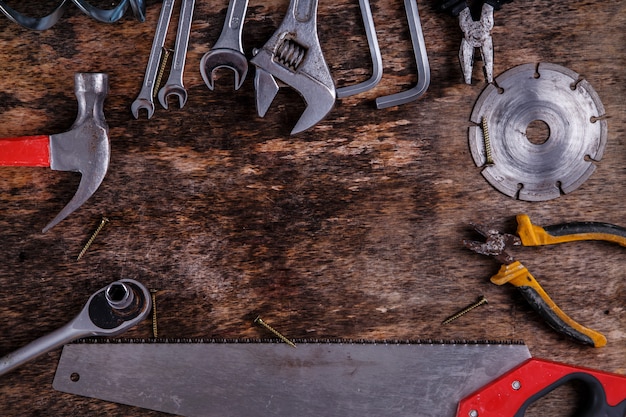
[85,148]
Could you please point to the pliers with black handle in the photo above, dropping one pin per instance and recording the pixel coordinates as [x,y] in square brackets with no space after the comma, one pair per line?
[513,272]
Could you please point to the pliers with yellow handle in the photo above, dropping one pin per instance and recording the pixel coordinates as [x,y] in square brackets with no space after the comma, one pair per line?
[513,272]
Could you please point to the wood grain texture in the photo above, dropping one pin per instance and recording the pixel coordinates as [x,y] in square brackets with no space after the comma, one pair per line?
[352,229]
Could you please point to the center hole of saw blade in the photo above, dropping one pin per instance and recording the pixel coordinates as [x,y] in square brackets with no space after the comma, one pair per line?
[538,132]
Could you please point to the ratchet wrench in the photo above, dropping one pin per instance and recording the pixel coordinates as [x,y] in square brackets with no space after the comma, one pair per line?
[145,99]
[109,312]
[174,84]
[228,50]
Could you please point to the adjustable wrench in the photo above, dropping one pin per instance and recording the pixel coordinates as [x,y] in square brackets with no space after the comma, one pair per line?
[109,312]
[145,99]
[294,56]
[174,84]
[228,50]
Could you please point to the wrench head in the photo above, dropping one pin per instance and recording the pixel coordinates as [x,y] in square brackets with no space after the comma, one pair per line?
[172,90]
[142,103]
[313,82]
[224,58]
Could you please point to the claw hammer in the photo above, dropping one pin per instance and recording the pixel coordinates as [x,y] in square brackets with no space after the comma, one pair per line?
[85,148]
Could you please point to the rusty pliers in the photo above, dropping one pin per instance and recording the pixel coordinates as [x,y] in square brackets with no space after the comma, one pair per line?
[513,272]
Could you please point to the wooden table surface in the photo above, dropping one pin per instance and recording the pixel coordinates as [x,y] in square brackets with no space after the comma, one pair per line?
[352,229]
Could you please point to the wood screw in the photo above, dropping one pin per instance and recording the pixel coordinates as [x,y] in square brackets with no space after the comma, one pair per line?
[155,330]
[92,238]
[482,300]
[488,154]
[275,332]
[163,65]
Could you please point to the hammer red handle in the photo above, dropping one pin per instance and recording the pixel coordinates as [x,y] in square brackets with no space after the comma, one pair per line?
[31,151]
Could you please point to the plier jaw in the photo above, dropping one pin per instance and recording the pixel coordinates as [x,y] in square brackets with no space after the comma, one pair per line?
[495,244]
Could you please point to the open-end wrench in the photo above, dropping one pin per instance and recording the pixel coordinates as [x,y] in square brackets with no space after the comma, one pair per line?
[109,312]
[174,84]
[145,99]
[228,50]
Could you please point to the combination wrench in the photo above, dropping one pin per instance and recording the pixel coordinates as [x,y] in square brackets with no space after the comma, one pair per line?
[109,312]
[145,99]
[228,50]
[174,84]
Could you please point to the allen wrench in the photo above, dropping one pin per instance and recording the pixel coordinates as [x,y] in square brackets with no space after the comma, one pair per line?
[377,60]
[421,58]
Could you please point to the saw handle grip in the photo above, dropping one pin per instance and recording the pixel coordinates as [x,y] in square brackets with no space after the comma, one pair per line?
[511,394]
[519,276]
[533,235]
[31,151]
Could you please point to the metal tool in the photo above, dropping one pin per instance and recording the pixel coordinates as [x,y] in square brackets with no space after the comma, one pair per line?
[109,312]
[421,58]
[294,56]
[174,84]
[476,32]
[145,99]
[497,244]
[332,379]
[377,60]
[573,113]
[269,379]
[85,148]
[102,15]
[228,50]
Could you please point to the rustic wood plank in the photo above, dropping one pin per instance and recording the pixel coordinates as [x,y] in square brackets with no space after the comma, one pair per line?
[352,229]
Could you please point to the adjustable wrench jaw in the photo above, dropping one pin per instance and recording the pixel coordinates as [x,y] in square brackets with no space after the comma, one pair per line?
[294,56]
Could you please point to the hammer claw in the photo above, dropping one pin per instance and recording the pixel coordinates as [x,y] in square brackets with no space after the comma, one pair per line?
[85,148]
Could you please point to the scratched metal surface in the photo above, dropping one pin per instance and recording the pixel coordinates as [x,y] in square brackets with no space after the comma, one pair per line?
[351,230]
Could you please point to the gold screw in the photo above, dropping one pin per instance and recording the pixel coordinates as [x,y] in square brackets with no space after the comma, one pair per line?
[92,238]
[482,300]
[155,331]
[164,59]
[488,154]
[260,322]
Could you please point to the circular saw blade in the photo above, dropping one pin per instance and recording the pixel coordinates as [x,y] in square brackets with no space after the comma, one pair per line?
[528,93]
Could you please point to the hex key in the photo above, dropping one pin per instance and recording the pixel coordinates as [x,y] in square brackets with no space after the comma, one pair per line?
[423,69]
[377,60]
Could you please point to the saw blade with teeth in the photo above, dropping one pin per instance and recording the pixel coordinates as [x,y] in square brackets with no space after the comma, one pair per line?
[546,167]
[240,378]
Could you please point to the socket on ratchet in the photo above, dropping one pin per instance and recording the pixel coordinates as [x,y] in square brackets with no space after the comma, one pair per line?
[174,84]
[109,312]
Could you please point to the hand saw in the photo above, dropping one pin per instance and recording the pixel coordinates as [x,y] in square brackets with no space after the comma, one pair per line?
[330,378]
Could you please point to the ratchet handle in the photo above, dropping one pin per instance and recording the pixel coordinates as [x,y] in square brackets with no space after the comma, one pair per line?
[519,276]
[533,235]
[31,151]
[512,393]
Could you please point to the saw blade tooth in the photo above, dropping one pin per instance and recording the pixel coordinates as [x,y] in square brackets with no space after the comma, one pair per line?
[94,340]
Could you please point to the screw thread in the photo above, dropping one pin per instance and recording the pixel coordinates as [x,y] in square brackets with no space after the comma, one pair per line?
[92,238]
[488,154]
[466,310]
[275,332]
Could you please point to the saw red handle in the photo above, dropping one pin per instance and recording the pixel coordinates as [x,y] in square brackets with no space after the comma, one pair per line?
[31,151]
[512,393]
